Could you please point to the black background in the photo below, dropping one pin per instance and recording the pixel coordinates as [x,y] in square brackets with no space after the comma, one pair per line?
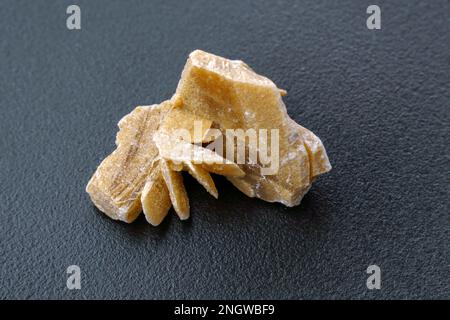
[379,100]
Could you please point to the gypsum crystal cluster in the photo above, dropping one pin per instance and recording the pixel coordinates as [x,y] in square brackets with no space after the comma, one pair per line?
[142,175]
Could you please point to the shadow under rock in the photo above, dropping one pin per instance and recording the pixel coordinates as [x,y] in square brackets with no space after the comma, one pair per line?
[315,211]
[233,207]
[139,229]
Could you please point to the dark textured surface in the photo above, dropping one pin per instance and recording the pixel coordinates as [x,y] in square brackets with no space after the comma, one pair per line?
[379,100]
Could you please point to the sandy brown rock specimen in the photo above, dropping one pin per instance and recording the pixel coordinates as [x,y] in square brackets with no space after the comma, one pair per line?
[234,96]
[116,186]
[155,197]
[140,175]
[143,173]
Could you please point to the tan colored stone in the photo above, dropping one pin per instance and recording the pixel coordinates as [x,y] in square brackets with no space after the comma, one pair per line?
[231,94]
[116,186]
[144,172]
[177,192]
[318,159]
[155,198]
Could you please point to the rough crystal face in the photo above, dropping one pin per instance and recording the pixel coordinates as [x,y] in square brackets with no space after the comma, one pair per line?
[116,186]
[214,96]
[142,174]
[155,197]
[179,118]
[232,95]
